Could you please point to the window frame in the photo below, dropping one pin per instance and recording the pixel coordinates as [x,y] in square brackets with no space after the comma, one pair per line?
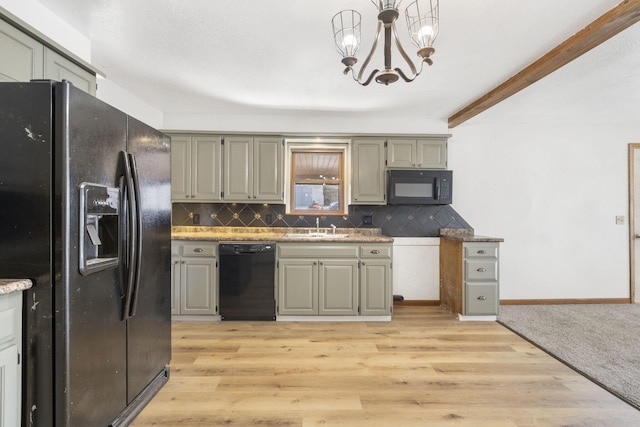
[342,146]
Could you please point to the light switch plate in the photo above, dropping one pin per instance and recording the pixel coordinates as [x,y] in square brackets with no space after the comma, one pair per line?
[620,220]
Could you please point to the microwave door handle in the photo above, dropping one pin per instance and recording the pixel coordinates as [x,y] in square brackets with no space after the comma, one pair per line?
[436,188]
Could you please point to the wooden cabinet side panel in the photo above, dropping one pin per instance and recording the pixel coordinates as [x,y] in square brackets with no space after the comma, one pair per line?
[451,275]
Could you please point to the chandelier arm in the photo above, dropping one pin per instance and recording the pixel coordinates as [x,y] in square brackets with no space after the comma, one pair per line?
[404,54]
[371,76]
[404,76]
[373,48]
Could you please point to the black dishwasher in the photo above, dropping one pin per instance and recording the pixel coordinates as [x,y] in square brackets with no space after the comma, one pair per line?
[247,275]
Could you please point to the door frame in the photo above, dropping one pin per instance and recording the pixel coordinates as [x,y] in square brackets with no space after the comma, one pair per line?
[632,255]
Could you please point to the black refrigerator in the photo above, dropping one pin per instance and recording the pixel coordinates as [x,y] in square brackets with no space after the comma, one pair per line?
[85,214]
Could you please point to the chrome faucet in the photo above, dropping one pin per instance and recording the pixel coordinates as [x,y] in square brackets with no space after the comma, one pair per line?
[318,225]
[334,228]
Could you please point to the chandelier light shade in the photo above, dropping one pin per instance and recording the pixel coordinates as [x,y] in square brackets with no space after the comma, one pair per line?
[422,17]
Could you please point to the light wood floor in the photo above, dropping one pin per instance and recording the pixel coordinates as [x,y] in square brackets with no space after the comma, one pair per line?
[422,369]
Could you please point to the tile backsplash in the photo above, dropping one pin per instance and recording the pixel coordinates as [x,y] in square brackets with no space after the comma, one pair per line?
[395,221]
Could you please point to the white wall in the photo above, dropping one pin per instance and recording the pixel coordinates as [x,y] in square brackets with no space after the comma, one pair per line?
[552,192]
[112,93]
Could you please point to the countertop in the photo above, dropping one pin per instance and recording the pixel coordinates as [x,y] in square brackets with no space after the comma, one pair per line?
[466,235]
[8,286]
[276,234]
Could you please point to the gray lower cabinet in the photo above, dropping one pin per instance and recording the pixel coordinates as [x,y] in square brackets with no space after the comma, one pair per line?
[480,272]
[334,279]
[10,349]
[469,276]
[194,283]
[23,58]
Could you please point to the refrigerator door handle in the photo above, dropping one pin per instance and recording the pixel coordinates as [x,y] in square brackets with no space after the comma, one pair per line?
[130,250]
[138,235]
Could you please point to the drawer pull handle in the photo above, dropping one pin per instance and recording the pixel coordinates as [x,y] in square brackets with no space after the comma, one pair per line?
[482,298]
[375,252]
[481,251]
[482,269]
[198,250]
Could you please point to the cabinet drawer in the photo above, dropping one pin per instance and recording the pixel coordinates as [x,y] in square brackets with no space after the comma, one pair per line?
[199,249]
[375,251]
[480,251]
[314,251]
[481,270]
[481,298]
[7,325]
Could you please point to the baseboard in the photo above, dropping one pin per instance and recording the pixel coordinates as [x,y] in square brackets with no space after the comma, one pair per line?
[416,302]
[565,301]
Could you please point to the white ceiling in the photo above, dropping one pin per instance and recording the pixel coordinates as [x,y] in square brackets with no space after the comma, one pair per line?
[277,56]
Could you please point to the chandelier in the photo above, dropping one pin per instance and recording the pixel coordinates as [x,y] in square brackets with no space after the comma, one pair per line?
[422,18]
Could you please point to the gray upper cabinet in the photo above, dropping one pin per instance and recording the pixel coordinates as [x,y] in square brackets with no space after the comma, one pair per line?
[253,169]
[367,172]
[417,153]
[196,168]
[57,67]
[23,58]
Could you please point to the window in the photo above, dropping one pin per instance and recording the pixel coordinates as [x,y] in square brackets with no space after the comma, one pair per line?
[317,180]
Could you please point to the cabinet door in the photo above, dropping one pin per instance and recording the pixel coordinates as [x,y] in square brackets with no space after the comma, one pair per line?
[375,287]
[21,57]
[57,67]
[9,387]
[298,286]
[238,169]
[401,153]
[338,287]
[175,285]
[368,177]
[180,168]
[431,154]
[206,165]
[198,294]
[267,174]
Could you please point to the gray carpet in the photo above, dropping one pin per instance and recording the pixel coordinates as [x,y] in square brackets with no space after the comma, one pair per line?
[601,341]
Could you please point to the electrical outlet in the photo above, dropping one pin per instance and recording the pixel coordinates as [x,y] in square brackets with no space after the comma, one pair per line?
[196,219]
[620,220]
[268,218]
[367,220]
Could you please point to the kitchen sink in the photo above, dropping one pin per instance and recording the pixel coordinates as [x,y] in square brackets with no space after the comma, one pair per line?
[315,235]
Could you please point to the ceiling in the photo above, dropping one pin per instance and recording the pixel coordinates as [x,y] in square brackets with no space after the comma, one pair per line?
[277,57]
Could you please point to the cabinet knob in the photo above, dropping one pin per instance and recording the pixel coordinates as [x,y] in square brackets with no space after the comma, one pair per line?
[481,269]
[482,298]
[375,252]
[198,250]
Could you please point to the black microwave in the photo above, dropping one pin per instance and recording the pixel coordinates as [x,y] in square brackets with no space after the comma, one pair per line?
[419,187]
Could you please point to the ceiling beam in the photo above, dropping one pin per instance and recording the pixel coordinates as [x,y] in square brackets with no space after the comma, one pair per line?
[602,29]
